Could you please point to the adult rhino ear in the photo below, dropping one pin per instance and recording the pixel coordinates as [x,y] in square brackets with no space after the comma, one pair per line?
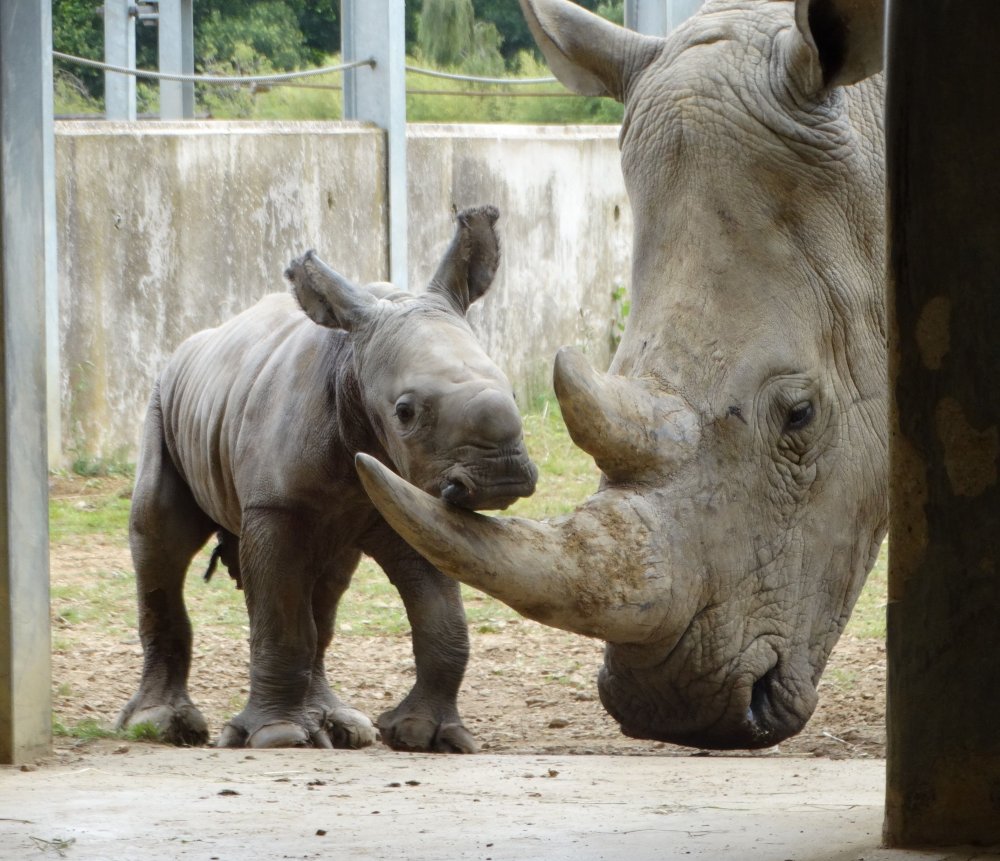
[472,258]
[843,38]
[588,54]
[327,297]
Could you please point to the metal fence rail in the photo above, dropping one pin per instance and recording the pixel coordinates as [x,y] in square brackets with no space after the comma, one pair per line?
[281,77]
[212,79]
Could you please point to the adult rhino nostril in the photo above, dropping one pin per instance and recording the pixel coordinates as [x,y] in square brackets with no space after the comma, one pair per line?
[761,713]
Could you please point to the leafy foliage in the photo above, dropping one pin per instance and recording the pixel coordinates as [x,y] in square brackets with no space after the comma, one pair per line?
[478,37]
[444,30]
[77,29]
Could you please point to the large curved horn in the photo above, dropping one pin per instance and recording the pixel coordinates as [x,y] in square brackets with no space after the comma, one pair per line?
[632,432]
[588,572]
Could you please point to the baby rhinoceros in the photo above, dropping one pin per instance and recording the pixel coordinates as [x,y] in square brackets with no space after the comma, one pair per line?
[251,434]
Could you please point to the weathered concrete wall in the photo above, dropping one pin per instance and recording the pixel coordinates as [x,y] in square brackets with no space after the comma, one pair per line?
[165,229]
[565,226]
[168,229]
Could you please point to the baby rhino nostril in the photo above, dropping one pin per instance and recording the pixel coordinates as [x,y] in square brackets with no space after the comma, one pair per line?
[457,492]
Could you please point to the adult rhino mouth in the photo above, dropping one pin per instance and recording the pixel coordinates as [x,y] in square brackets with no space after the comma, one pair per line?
[749,711]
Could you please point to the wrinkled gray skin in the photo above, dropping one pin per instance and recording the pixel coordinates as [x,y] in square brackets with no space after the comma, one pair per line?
[741,429]
[252,431]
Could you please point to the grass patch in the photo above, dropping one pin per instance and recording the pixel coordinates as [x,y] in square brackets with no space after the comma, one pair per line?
[86,730]
[99,510]
[142,732]
[867,622]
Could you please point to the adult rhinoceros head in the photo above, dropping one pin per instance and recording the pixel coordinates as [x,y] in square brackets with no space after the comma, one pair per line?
[741,430]
[441,409]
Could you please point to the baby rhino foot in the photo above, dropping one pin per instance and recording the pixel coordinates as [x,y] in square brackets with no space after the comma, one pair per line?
[343,727]
[180,724]
[349,728]
[413,730]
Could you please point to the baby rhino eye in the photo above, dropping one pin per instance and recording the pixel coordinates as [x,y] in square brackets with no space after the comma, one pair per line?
[404,411]
[800,416]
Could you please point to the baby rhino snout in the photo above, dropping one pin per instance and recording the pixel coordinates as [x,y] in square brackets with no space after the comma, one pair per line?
[491,420]
[496,469]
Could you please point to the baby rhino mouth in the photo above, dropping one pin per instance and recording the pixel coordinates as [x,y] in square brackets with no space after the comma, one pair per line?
[490,483]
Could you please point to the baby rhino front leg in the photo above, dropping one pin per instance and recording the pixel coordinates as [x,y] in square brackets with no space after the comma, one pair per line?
[427,719]
[290,702]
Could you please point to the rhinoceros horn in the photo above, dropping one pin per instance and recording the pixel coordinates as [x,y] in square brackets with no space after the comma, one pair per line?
[558,572]
[632,431]
[599,571]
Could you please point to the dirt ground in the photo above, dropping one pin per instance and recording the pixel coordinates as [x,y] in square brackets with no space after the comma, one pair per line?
[528,689]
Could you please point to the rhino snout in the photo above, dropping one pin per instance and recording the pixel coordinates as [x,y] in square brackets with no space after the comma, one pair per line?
[490,418]
[493,481]
[752,711]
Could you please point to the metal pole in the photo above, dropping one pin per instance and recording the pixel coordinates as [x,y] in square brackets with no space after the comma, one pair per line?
[377,28]
[119,50]
[25,214]
[646,16]
[176,48]
[658,17]
[678,11]
[943,636]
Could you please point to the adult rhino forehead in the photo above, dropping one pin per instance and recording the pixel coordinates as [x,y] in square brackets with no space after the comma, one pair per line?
[757,200]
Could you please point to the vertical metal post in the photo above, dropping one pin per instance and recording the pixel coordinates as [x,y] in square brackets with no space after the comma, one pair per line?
[678,11]
[377,29]
[658,17]
[25,125]
[943,637]
[119,50]
[176,49]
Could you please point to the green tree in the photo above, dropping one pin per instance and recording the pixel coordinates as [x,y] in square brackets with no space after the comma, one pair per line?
[265,36]
[444,31]
[77,29]
[507,17]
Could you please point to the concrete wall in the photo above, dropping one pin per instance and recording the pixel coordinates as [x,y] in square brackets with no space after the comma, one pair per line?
[165,229]
[565,229]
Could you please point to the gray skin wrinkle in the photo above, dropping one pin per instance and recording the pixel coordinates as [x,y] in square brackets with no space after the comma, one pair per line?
[251,433]
[742,429]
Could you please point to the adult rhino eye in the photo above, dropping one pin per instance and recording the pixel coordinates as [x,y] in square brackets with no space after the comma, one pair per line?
[404,411]
[800,416]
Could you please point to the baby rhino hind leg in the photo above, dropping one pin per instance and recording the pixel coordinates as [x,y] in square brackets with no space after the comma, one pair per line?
[166,529]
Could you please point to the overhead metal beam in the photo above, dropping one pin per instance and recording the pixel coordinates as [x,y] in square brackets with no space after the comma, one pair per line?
[26,214]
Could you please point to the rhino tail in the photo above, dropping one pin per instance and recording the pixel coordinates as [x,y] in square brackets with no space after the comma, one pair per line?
[227,551]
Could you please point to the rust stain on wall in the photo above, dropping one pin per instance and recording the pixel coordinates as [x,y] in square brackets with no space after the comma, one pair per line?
[908,535]
[933,332]
[970,455]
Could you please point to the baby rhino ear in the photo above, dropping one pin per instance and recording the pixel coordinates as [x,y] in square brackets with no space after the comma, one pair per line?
[471,261]
[327,297]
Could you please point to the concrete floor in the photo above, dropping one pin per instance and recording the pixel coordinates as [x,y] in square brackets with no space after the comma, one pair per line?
[151,803]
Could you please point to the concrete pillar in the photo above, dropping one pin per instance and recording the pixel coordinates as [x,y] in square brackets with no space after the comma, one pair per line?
[119,50]
[377,28]
[943,139]
[176,52]
[26,136]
